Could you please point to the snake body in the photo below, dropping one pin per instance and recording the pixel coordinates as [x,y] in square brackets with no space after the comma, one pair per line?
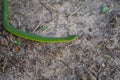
[11,29]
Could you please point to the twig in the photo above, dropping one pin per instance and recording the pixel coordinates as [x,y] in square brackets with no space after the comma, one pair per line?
[74,12]
[93,77]
[36,27]
[5,64]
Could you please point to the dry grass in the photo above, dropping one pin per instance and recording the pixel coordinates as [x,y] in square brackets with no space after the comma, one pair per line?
[95,55]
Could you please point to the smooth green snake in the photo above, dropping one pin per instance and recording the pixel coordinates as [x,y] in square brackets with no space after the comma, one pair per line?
[11,29]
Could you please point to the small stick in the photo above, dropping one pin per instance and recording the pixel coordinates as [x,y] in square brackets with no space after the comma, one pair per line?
[74,12]
[93,77]
[36,27]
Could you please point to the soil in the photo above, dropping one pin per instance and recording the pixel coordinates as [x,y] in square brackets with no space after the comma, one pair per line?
[95,55]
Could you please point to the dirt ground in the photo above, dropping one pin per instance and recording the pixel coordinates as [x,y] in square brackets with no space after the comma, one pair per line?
[95,55]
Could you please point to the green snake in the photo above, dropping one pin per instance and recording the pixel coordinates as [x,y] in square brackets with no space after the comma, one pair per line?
[11,29]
